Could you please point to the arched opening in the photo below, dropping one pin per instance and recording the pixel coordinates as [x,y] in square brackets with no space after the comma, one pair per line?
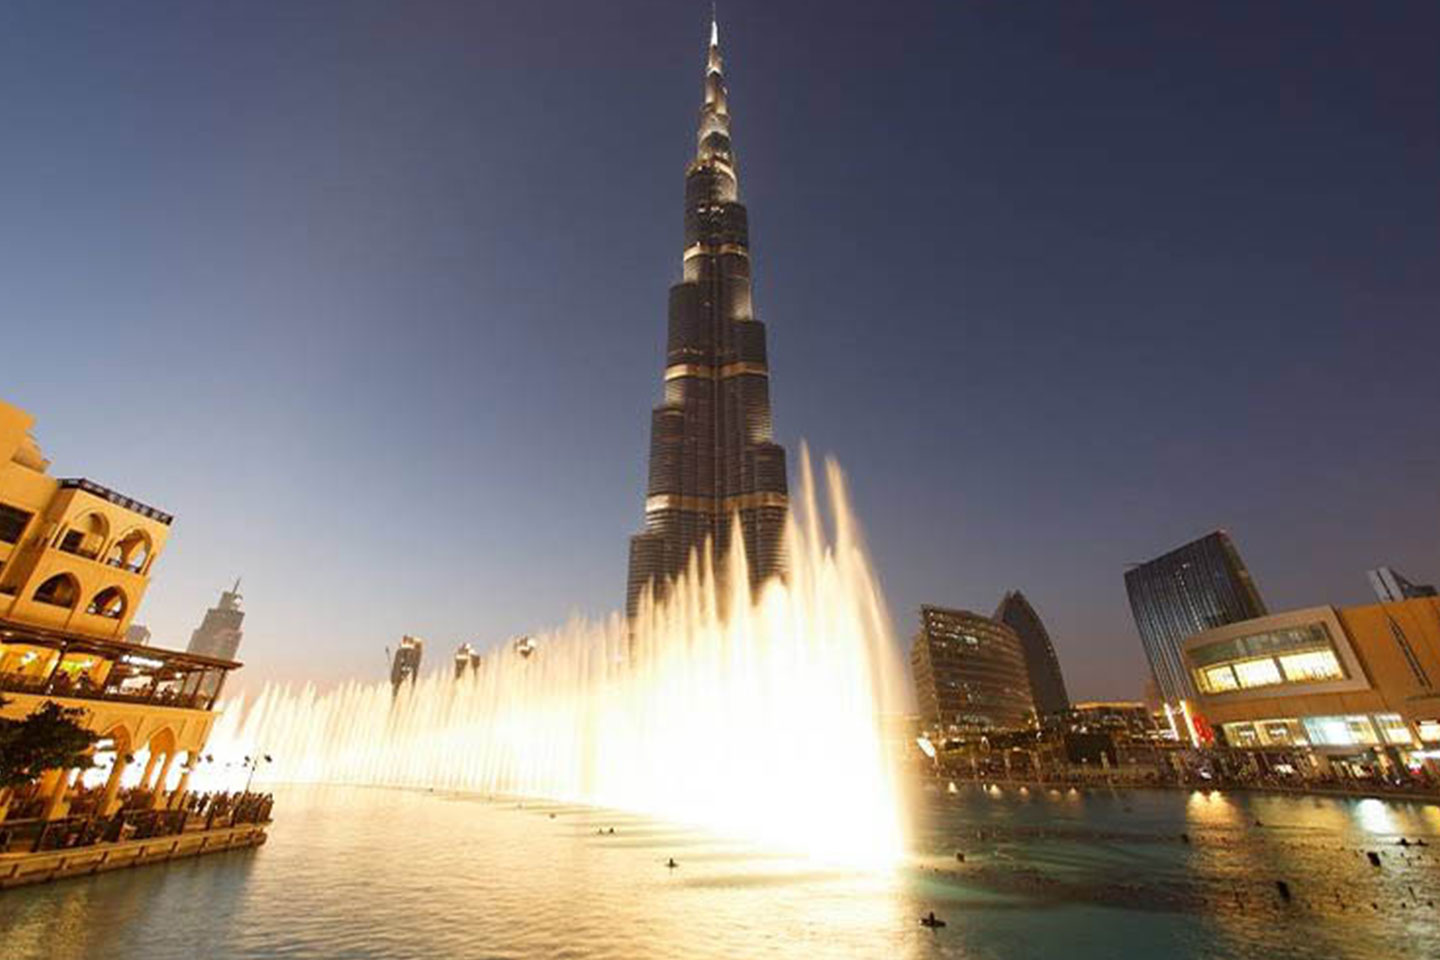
[108,603]
[131,552]
[86,536]
[61,590]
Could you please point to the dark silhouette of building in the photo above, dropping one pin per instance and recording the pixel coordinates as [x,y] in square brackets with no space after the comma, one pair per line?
[1197,587]
[219,633]
[969,673]
[712,453]
[467,660]
[1047,685]
[1391,587]
[405,667]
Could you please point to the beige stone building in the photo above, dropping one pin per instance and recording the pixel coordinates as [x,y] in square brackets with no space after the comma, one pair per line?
[75,561]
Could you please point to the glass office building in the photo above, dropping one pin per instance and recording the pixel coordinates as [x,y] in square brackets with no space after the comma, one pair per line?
[1194,588]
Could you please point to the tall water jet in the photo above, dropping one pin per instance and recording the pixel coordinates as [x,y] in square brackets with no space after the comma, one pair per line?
[753,714]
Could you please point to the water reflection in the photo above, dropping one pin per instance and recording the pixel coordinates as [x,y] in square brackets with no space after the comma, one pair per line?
[390,873]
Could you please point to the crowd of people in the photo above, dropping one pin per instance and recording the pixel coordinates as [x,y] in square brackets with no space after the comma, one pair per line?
[197,811]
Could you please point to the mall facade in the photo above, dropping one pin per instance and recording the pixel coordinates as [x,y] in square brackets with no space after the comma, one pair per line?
[1326,691]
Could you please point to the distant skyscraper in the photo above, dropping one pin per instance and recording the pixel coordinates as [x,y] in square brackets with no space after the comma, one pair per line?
[406,665]
[219,633]
[712,451]
[138,634]
[1199,586]
[1391,587]
[969,672]
[467,660]
[1047,685]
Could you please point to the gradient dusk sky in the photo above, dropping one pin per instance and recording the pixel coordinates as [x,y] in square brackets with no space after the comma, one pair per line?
[372,295]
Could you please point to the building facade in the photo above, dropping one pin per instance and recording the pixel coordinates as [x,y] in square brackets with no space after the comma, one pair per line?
[1390,586]
[1042,666]
[75,561]
[714,465]
[219,633]
[969,673]
[1197,587]
[1353,686]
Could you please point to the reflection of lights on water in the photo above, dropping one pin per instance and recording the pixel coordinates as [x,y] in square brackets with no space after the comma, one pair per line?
[681,715]
[1375,816]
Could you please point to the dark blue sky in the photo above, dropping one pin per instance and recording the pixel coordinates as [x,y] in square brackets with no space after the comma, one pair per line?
[372,294]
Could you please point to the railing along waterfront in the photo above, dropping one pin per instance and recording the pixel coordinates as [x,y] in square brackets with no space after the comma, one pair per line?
[80,690]
[200,813]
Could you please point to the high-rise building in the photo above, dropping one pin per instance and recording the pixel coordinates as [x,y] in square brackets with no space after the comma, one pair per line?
[405,668]
[1047,685]
[467,660]
[1391,587]
[1199,586]
[969,672]
[138,634]
[219,633]
[712,453]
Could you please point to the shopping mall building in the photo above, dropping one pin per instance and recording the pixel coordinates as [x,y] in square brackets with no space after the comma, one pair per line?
[1347,691]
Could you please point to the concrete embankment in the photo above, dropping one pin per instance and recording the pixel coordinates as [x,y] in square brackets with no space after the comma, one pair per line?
[20,869]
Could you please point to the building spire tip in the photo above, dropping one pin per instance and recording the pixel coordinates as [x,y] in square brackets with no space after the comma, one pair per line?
[714,27]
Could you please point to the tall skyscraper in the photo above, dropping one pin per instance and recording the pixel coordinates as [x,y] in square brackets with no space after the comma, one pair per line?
[1391,587]
[712,453]
[1047,685]
[1199,586]
[219,633]
[969,672]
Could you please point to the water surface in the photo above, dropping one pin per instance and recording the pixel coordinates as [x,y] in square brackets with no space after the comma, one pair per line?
[365,872]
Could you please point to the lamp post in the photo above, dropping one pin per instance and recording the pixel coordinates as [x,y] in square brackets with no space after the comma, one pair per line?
[254,764]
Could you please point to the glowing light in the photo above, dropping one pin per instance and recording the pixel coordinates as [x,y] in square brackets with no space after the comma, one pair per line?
[1189,724]
[926,746]
[760,722]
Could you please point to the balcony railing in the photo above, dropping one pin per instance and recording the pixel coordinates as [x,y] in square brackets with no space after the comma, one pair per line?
[82,690]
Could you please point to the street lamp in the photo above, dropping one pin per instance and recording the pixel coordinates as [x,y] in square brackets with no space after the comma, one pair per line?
[254,763]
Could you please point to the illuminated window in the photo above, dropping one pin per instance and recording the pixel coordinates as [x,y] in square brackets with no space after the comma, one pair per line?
[1429,730]
[1311,666]
[1280,732]
[1257,673]
[1241,735]
[1341,731]
[1394,728]
[1218,680]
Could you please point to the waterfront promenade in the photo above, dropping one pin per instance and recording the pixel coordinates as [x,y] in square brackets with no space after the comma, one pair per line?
[35,850]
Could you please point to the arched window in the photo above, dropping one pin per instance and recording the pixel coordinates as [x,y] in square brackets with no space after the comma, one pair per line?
[86,536]
[61,590]
[109,603]
[130,552]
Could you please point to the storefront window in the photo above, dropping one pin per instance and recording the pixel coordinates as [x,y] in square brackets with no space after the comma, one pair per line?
[1311,666]
[1394,728]
[1429,730]
[1257,673]
[1218,680]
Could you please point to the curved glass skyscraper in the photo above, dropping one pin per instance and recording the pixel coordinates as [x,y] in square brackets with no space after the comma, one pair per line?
[712,454]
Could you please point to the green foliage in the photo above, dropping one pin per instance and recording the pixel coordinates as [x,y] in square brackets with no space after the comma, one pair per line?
[51,738]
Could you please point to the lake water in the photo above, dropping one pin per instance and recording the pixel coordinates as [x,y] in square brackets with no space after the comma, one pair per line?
[357,872]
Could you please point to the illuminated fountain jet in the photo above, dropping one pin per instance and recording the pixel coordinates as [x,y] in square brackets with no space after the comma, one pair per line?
[761,722]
